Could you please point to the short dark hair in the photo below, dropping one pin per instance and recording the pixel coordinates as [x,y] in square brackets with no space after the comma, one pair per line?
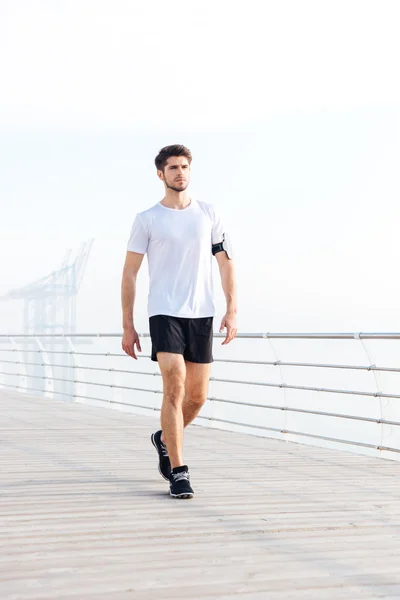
[168,151]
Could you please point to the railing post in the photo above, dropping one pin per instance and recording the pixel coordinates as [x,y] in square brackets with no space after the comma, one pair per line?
[116,393]
[73,368]
[277,361]
[48,381]
[378,390]
[23,382]
[78,389]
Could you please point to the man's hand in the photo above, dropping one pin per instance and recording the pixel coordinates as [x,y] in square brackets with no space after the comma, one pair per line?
[129,339]
[229,321]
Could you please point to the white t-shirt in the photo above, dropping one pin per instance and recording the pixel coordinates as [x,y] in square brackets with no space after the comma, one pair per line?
[178,245]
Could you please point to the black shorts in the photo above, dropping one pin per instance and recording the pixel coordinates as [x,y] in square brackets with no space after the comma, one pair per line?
[193,338]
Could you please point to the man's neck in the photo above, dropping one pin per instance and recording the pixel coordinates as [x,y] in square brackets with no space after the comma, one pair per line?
[177,200]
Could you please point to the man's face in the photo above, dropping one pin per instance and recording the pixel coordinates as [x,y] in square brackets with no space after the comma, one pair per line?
[176,175]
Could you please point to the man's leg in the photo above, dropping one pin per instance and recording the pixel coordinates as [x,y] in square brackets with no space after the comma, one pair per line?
[173,371]
[196,389]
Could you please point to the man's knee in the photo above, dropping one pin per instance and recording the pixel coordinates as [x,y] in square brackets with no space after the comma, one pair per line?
[196,399]
[174,394]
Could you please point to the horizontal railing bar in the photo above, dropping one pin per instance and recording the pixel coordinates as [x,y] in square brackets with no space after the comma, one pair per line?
[111,370]
[287,386]
[72,352]
[226,401]
[268,335]
[281,363]
[65,335]
[303,410]
[260,427]
[109,385]
[236,402]
[118,402]
[90,398]
[115,402]
[258,383]
[274,363]
[307,388]
[311,435]
[16,387]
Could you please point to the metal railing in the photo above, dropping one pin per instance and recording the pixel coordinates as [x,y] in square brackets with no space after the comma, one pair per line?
[65,377]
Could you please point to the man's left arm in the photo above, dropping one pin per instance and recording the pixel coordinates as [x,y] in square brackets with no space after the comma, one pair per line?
[228,280]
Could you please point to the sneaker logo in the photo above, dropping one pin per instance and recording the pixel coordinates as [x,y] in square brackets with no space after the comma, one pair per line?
[164,450]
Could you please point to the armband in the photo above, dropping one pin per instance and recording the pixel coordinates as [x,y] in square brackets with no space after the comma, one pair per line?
[225,245]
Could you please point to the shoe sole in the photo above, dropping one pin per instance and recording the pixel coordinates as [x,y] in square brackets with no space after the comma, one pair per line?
[181,496]
[159,468]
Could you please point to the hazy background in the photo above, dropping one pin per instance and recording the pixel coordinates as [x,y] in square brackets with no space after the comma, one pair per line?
[291,110]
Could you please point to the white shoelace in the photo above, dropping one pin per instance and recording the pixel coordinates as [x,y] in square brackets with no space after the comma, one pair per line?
[164,450]
[181,475]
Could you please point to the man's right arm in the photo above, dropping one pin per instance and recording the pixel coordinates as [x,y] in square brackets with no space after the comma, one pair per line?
[130,338]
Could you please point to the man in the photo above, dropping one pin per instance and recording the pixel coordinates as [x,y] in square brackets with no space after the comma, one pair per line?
[180,235]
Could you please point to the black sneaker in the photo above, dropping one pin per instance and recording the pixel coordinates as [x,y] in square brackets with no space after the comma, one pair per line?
[164,466]
[179,483]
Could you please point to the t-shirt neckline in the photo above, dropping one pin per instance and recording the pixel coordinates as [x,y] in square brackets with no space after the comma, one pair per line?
[178,210]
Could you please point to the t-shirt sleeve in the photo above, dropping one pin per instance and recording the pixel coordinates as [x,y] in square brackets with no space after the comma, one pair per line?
[139,239]
[218,229]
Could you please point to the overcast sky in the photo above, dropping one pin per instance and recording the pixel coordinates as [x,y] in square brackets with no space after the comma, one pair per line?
[291,110]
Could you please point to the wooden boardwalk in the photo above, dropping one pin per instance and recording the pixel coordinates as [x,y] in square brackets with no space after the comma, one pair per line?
[85,515]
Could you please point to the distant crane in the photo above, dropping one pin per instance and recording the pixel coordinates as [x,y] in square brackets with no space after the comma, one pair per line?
[50,307]
[50,302]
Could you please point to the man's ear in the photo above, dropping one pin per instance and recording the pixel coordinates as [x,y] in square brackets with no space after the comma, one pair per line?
[160,175]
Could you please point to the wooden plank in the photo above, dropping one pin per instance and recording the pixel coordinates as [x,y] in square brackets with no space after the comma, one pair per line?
[85,515]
